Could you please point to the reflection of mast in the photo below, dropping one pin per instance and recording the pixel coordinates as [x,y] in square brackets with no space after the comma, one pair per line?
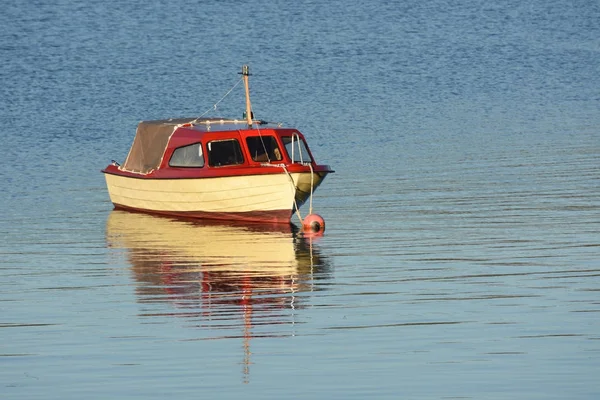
[247,305]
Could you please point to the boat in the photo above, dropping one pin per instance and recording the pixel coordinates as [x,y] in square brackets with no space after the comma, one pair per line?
[215,168]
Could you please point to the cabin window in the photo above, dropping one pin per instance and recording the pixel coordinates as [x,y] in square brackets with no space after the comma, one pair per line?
[263,148]
[296,149]
[188,156]
[224,152]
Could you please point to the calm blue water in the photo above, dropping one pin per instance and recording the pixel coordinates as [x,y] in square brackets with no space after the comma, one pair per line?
[462,251]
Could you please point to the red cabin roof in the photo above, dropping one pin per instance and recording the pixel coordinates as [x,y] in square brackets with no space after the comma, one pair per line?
[223,147]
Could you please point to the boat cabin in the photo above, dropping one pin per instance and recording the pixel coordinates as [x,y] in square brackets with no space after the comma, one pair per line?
[186,147]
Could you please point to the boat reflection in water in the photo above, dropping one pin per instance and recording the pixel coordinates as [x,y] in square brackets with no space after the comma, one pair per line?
[242,281]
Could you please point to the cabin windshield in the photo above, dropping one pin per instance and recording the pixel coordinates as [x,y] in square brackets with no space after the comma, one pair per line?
[296,149]
[188,156]
[224,152]
[263,148]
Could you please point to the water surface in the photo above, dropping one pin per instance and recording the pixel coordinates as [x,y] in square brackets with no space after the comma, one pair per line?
[461,256]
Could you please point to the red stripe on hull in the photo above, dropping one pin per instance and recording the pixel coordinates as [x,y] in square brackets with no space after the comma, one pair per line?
[268,217]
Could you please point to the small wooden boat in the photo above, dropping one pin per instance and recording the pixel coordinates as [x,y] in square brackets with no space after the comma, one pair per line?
[247,170]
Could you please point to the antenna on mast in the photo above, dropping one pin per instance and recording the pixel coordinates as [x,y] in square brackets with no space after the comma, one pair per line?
[245,74]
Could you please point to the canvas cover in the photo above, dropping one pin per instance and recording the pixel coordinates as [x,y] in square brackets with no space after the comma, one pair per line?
[149,144]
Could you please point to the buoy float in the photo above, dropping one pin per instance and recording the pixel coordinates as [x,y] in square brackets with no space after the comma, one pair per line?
[313,223]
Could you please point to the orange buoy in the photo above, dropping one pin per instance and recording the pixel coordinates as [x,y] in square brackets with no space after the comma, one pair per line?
[313,223]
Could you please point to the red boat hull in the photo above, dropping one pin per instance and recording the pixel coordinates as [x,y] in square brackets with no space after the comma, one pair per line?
[268,217]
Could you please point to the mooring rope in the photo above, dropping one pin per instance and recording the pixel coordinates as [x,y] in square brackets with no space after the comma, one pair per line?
[294,189]
[312,183]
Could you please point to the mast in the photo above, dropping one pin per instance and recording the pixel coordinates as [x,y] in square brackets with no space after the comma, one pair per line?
[245,75]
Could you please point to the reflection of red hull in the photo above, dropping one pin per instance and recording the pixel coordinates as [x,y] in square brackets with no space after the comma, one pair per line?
[210,265]
[271,216]
[227,278]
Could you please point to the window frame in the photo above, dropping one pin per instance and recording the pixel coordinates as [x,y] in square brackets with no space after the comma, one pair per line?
[239,157]
[181,148]
[273,151]
[293,138]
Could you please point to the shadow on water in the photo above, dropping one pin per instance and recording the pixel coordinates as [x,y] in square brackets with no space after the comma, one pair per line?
[227,280]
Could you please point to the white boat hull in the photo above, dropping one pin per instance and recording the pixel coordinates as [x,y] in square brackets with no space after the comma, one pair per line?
[264,198]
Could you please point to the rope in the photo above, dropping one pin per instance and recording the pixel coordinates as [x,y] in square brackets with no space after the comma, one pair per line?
[312,182]
[294,189]
[214,107]
[263,144]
